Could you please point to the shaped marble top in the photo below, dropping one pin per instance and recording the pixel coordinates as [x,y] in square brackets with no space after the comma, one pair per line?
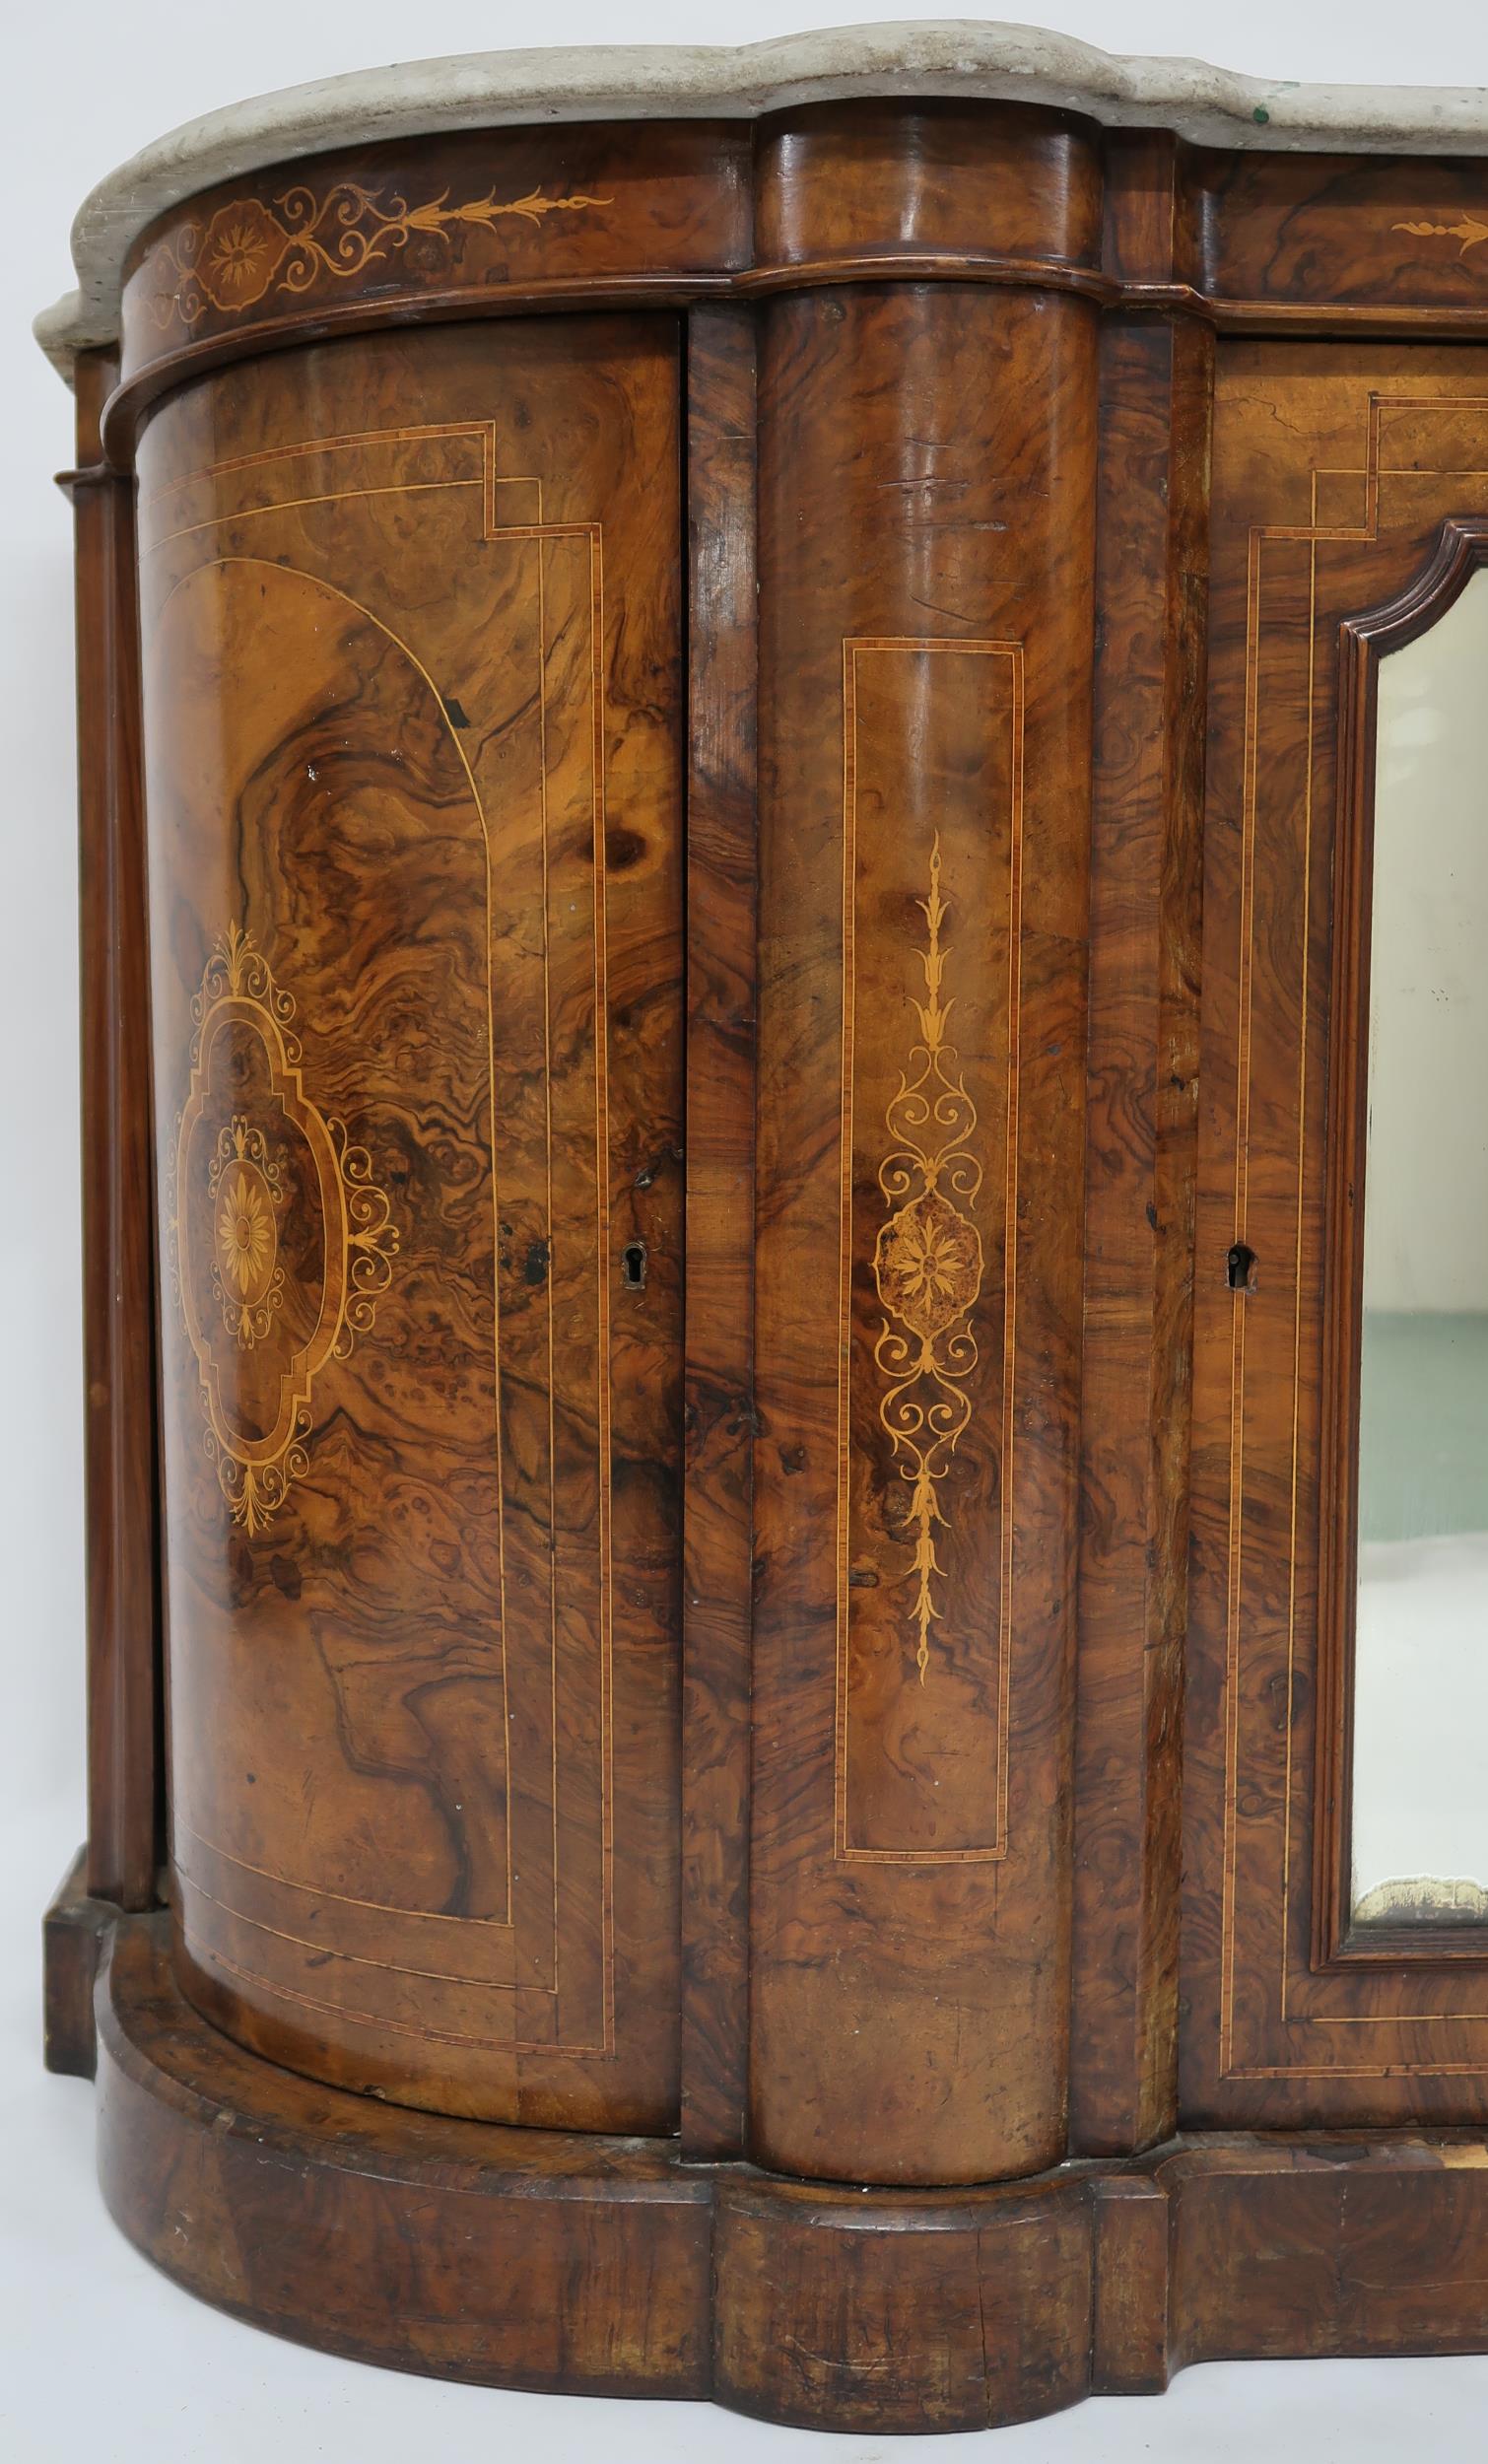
[963,58]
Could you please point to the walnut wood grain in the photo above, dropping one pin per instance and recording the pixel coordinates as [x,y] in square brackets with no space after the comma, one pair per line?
[546,2259]
[413,719]
[75,1935]
[1151,561]
[126,1795]
[506,2256]
[460,219]
[625,1670]
[875,2315]
[1315,2249]
[933,178]
[924,655]
[1345,233]
[1333,471]
[718,1490]
[501,222]
[1129,2333]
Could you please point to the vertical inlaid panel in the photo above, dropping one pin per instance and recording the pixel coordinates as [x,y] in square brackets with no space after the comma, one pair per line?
[932,814]
[412,725]
[925,507]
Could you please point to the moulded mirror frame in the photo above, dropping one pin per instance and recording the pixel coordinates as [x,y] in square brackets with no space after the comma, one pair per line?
[1459,550]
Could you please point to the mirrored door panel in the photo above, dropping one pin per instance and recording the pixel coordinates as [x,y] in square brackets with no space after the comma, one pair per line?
[1334,1958]
[1420,1693]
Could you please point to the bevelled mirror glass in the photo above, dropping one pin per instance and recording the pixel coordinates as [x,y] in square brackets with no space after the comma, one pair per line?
[1420,1736]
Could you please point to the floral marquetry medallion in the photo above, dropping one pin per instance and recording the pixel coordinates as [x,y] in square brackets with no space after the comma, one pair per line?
[245,1179]
[280,1239]
[246,249]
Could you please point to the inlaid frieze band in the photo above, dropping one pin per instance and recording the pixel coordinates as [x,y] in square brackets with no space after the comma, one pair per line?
[246,249]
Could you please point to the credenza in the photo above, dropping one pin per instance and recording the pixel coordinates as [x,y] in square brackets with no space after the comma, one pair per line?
[784,875]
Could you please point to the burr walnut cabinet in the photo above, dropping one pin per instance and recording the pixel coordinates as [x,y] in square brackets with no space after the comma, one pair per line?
[781,777]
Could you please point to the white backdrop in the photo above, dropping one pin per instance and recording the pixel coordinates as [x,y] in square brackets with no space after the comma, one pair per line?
[99,2359]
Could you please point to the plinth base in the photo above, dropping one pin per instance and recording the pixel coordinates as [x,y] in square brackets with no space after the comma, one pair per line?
[597,2266]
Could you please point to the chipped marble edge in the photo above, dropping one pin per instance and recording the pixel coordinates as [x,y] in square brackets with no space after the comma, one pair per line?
[958,58]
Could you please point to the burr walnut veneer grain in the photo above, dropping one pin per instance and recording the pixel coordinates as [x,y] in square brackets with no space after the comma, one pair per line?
[724,823]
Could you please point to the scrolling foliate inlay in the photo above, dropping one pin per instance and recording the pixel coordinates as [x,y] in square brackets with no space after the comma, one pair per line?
[246,249]
[275,1221]
[927,1246]
[927,1265]
[1470,232]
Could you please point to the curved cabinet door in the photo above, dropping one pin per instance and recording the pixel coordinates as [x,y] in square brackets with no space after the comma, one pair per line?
[411,648]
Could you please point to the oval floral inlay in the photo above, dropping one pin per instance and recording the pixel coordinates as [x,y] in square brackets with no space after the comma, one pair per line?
[259,1416]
